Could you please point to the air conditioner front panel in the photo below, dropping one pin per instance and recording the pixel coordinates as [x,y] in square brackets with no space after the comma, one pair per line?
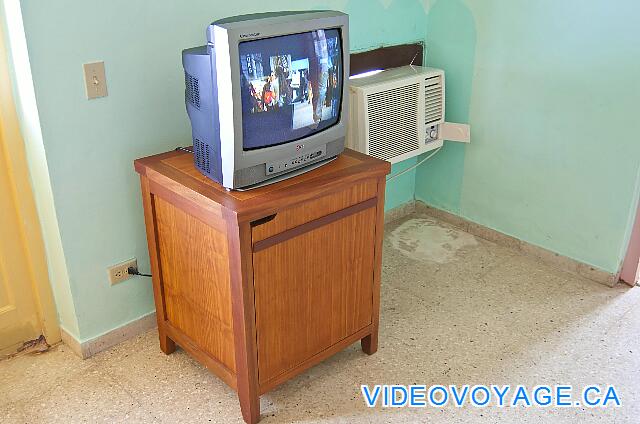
[395,112]
[393,121]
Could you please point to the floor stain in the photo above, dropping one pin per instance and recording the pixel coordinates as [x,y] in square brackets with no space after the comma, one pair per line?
[34,346]
[425,239]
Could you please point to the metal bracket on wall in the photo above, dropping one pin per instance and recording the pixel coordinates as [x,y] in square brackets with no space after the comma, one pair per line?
[456,132]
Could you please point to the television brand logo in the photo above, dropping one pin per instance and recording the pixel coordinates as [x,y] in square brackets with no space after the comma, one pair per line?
[253,34]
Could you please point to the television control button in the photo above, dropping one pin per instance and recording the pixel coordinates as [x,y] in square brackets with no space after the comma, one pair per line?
[295,162]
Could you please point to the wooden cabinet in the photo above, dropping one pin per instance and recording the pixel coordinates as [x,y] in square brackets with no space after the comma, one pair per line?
[263,284]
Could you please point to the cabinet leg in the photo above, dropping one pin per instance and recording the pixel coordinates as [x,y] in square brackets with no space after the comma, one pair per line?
[370,343]
[167,345]
[250,407]
[243,313]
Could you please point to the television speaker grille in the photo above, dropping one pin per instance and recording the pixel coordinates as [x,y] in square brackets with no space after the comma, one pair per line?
[393,121]
[192,91]
[201,155]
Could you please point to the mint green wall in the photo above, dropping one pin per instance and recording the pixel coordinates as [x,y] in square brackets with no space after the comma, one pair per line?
[90,145]
[551,91]
[400,189]
[27,111]
[547,86]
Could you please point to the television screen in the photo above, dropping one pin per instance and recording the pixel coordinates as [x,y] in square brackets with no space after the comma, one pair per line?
[291,86]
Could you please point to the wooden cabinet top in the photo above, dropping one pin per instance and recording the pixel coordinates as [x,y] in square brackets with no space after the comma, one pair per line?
[175,174]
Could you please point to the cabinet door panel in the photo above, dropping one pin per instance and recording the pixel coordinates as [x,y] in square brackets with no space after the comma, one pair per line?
[312,291]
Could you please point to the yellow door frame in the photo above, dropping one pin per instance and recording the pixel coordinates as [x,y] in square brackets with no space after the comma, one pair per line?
[11,140]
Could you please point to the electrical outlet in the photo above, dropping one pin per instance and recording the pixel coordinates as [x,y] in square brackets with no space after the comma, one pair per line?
[118,273]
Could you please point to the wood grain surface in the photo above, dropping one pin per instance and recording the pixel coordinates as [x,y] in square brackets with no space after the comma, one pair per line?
[195,274]
[313,291]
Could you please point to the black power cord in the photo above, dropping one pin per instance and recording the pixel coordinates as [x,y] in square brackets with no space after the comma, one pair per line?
[134,271]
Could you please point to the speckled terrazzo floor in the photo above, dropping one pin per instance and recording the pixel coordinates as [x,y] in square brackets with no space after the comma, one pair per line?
[455,310]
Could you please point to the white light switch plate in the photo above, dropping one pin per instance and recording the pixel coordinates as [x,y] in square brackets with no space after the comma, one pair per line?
[456,132]
[95,80]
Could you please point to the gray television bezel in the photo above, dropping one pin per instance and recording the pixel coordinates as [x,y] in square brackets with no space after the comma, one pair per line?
[225,36]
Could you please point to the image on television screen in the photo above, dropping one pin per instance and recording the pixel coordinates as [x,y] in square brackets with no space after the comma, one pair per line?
[291,86]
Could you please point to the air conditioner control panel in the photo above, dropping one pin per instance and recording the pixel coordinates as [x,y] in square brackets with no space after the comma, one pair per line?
[432,133]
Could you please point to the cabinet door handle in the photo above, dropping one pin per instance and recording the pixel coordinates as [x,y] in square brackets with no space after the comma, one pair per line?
[263,220]
[312,225]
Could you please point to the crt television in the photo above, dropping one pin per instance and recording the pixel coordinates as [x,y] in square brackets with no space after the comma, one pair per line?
[266,96]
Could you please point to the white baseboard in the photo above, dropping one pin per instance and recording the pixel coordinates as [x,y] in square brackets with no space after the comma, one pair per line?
[547,256]
[71,342]
[400,211]
[90,347]
[147,322]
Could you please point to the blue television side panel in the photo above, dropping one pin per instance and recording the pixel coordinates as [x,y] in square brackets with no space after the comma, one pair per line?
[202,108]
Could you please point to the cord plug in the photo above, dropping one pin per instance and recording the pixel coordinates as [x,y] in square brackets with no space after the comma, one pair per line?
[134,271]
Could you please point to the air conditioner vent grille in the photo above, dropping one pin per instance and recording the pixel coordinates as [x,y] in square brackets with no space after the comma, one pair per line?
[393,121]
[433,100]
[192,90]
